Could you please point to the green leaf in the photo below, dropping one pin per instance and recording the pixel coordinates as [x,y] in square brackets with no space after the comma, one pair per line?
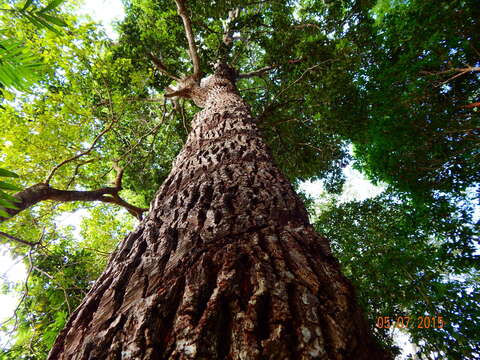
[7,204]
[6,196]
[7,173]
[34,21]
[53,19]
[43,23]
[53,4]
[8,186]
[27,4]
[4,214]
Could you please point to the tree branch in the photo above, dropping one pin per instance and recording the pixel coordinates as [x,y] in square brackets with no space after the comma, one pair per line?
[42,192]
[258,72]
[161,67]
[75,172]
[261,71]
[65,295]
[83,153]
[192,48]
[154,130]
[459,72]
[296,81]
[117,200]
[228,37]
[119,177]
[21,241]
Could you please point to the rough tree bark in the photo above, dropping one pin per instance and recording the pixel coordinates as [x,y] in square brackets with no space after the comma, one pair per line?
[225,265]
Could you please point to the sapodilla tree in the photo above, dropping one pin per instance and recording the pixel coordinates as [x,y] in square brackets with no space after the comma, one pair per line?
[226,264]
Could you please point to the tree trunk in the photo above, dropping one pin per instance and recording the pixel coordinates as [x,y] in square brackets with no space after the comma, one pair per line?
[225,265]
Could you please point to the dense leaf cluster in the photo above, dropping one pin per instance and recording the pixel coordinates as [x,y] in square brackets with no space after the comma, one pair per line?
[407,260]
[422,129]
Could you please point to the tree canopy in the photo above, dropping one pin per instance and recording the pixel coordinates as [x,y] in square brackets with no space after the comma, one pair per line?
[89,120]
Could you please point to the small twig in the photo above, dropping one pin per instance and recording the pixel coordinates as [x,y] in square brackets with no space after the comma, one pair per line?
[154,130]
[102,253]
[302,26]
[311,146]
[258,72]
[459,72]
[251,88]
[296,81]
[65,295]
[59,285]
[265,69]
[75,172]
[474,49]
[161,67]
[182,114]
[290,120]
[152,100]
[83,153]
[14,238]
[43,272]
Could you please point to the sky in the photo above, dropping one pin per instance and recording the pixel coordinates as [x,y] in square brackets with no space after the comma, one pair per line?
[107,12]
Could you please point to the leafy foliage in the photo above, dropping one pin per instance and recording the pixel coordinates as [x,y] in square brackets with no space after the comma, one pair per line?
[20,67]
[17,66]
[61,268]
[421,134]
[7,201]
[60,275]
[411,261]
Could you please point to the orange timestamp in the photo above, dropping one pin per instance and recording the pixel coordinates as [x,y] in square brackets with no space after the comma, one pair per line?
[419,322]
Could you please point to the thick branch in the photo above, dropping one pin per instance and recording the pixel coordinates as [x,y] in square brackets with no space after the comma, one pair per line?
[119,177]
[41,192]
[192,48]
[117,200]
[228,37]
[472,105]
